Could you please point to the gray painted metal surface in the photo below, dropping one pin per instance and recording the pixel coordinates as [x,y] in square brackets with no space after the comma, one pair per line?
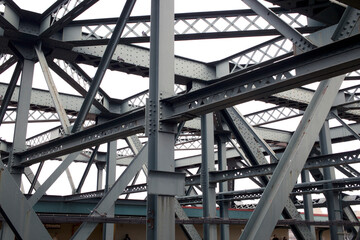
[262,72]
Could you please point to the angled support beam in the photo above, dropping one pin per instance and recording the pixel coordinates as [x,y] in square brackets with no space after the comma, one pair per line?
[104,63]
[30,176]
[298,140]
[10,90]
[188,228]
[87,169]
[349,213]
[23,220]
[70,180]
[79,73]
[301,42]
[347,127]
[347,23]
[246,136]
[34,182]
[7,63]
[119,186]
[53,22]
[263,220]
[52,89]
[52,178]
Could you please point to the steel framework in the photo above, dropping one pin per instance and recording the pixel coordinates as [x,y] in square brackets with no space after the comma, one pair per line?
[190,137]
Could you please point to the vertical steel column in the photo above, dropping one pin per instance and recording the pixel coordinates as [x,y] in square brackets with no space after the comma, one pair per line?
[160,208]
[100,172]
[208,164]
[108,228]
[332,197]
[104,63]
[223,187]
[308,207]
[21,125]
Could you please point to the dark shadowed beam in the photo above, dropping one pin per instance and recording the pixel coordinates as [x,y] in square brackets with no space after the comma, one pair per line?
[104,63]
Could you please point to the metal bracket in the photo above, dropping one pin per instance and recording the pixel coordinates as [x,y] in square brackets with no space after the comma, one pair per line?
[166,183]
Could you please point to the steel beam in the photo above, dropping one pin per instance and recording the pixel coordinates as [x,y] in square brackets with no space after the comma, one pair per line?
[21,125]
[104,63]
[208,164]
[223,187]
[108,228]
[290,33]
[87,169]
[160,202]
[111,130]
[101,100]
[10,90]
[246,137]
[293,159]
[23,220]
[9,19]
[53,91]
[59,14]
[332,197]
[34,181]
[308,207]
[106,202]
[42,100]
[188,26]
[30,176]
[318,64]
[52,178]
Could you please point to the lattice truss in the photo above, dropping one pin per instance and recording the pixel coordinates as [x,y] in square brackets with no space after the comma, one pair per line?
[195,26]
[118,131]
[64,8]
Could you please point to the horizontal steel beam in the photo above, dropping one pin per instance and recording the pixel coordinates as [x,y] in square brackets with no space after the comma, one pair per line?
[121,127]
[331,60]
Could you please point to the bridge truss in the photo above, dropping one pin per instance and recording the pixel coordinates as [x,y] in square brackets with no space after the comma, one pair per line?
[188,134]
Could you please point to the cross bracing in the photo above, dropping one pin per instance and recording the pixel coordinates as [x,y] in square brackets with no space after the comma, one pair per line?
[190,109]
